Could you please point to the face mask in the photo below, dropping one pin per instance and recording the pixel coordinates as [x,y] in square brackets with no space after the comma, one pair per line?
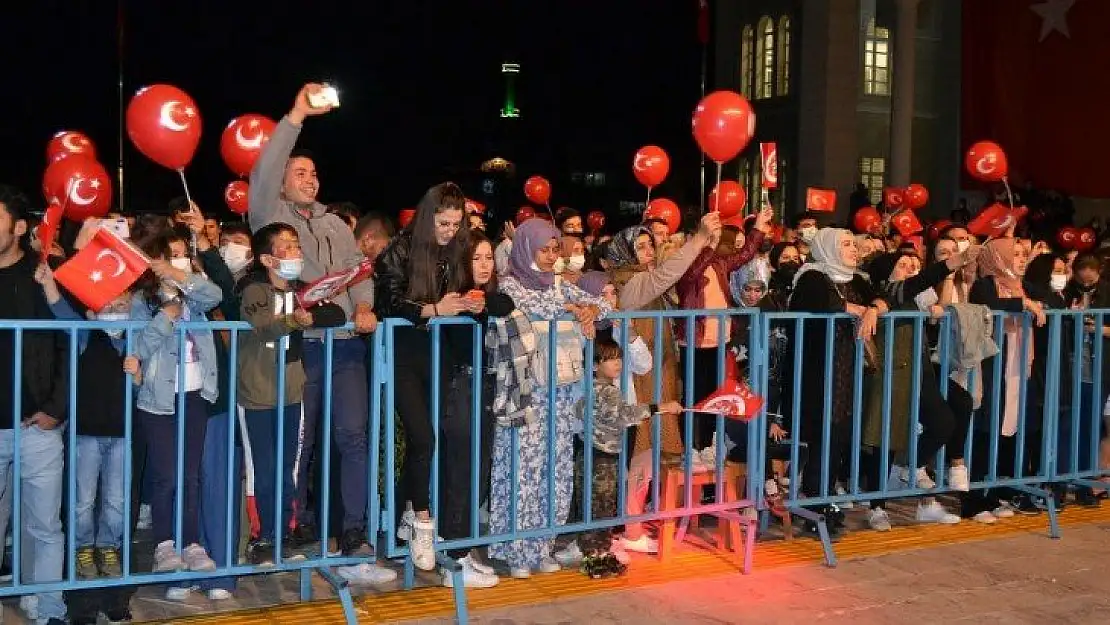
[113,316]
[235,256]
[808,233]
[576,263]
[962,246]
[182,264]
[290,268]
[560,265]
[1058,281]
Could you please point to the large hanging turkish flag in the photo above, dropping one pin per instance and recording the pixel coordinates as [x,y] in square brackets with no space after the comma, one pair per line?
[1033,82]
[106,267]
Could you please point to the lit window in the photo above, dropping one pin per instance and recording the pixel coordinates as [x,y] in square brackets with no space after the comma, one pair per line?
[765,58]
[782,78]
[872,172]
[747,60]
[595,179]
[876,60]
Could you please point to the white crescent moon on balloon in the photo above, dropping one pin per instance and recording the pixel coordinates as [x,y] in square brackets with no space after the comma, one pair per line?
[638,163]
[234,195]
[166,119]
[985,165]
[248,144]
[120,265]
[73,143]
[75,194]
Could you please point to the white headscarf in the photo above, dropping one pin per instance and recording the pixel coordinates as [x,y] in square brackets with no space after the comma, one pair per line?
[824,252]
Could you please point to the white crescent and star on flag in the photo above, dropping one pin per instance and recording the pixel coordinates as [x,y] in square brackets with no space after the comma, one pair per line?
[97,275]
[1054,17]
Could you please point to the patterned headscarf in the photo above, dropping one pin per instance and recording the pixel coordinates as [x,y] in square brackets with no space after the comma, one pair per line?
[593,282]
[532,235]
[622,249]
[997,261]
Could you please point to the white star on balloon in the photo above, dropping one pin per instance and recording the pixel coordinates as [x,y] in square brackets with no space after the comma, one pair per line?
[95,183]
[1053,17]
[96,276]
[190,111]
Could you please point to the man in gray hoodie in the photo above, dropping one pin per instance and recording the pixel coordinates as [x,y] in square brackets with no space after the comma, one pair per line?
[283,188]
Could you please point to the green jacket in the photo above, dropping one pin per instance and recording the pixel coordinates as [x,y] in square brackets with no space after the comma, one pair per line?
[270,313]
[900,388]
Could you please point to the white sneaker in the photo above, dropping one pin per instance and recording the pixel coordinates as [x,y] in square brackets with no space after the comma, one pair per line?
[422,546]
[218,594]
[166,558]
[958,479]
[29,604]
[569,556]
[643,544]
[923,479]
[366,573]
[709,457]
[899,478]
[840,492]
[879,520]
[472,576]
[146,518]
[619,552]
[935,513]
[549,565]
[180,593]
[196,558]
[520,572]
[408,518]
[1004,511]
[985,517]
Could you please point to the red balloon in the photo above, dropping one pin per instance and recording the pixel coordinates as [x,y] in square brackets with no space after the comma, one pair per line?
[235,195]
[242,141]
[524,213]
[893,197]
[728,198]
[937,227]
[81,185]
[1068,237]
[406,216]
[595,221]
[164,124]
[867,220]
[986,161]
[916,196]
[662,208]
[537,189]
[68,142]
[1087,239]
[650,165]
[723,123]
[473,207]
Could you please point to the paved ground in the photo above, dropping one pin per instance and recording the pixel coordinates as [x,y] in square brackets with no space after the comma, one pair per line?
[1010,581]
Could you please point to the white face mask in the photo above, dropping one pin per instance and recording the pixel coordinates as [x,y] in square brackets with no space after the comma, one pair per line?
[235,256]
[113,316]
[290,268]
[560,265]
[183,264]
[808,233]
[962,246]
[576,263]
[1058,281]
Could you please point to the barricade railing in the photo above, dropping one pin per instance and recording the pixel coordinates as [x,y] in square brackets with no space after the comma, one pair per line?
[835,394]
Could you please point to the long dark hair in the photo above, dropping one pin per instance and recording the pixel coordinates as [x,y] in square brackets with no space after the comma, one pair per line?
[157,247]
[426,255]
[476,239]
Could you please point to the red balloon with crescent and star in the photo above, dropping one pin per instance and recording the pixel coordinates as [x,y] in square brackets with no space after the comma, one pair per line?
[67,143]
[241,142]
[164,124]
[80,185]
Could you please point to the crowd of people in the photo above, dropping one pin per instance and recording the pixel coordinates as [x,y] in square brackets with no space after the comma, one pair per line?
[540,277]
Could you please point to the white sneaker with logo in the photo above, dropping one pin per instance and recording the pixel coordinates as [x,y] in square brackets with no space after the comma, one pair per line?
[422,546]
[472,576]
[935,513]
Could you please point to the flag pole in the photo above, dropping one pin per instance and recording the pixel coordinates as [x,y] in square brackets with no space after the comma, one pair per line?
[704,8]
[119,65]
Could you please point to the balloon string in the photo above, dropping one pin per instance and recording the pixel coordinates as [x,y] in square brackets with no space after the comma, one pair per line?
[1009,194]
[648,198]
[189,199]
[548,205]
[717,197]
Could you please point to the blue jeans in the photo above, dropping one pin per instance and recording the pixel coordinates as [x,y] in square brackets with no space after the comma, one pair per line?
[214,482]
[262,432]
[100,462]
[42,460]
[350,414]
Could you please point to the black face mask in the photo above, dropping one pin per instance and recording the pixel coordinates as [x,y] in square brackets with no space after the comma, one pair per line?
[784,275]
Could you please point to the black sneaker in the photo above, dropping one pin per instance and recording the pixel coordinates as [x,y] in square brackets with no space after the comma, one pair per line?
[353,542]
[301,536]
[118,617]
[1024,504]
[260,553]
[1085,498]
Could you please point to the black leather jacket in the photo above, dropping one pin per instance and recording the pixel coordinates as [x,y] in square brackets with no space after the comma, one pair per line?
[391,281]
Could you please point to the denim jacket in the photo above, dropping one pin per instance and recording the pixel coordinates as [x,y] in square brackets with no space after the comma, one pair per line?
[157,347]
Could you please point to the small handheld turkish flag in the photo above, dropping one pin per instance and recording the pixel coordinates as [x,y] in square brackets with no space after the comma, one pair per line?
[906,222]
[770,155]
[333,284]
[734,400]
[996,220]
[820,200]
[48,229]
[106,267]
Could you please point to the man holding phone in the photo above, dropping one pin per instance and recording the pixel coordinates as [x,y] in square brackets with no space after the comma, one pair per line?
[284,188]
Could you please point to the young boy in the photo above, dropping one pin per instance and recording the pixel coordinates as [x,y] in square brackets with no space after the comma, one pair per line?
[611,415]
[269,305]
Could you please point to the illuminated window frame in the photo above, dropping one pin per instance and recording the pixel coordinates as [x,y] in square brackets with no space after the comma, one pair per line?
[782,78]
[765,58]
[876,60]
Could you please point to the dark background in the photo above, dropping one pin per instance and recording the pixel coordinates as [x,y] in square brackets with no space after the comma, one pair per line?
[419,81]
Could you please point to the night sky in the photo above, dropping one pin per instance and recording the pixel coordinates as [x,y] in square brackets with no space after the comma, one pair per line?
[420,85]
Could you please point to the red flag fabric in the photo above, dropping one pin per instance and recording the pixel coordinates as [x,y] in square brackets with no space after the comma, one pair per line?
[47,231]
[333,284]
[906,223]
[1027,84]
[734,400]
[703,22]
[820,200]
[106,267]
[995,220]
[770,154]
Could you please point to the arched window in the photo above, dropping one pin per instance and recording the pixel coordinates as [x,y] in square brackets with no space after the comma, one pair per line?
[765,58]
[876,60]
[747,60]
[782,77]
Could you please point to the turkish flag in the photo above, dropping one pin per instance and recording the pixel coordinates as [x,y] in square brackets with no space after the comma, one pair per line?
[47,231]
[106,267]
[331,285]
[820,200]
[906,222]
[770,155]
[734,400]
[1030,83]
[995,221]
